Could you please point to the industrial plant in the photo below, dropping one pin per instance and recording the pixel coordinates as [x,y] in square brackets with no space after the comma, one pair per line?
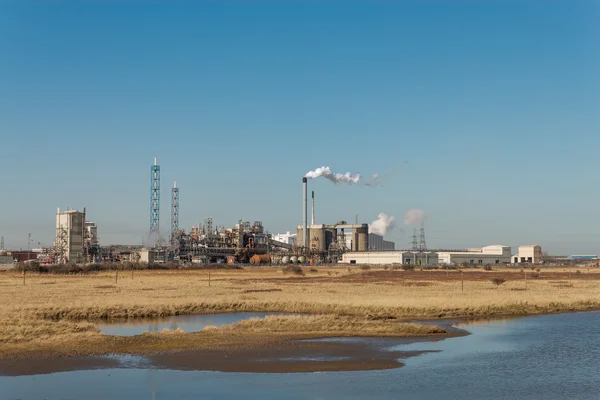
[77,239]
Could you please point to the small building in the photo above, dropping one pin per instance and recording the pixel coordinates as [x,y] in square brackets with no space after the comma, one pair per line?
[391,257]
[23,255]
[531,253]
[494,254]
[287,238]
[153,256]
[6,260]
[377,243]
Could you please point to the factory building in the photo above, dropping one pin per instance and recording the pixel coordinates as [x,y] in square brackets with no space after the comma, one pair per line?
[76,238]
[391,257]
[70,235]
[376,243]
[6,260]
[528,254]
[494,254]
[153,256]
[91,233]
[323,238]
[287,238]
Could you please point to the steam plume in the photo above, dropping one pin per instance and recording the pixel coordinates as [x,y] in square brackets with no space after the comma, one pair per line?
[414,216]
[382,224]
[350,179]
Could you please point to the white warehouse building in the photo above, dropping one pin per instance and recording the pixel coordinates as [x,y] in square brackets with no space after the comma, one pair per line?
[530,253]
[289,238]
[494,254]
[391,257]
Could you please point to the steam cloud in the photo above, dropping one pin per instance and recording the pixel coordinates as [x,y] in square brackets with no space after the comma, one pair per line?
[414,216]
[382,224]
[348,178]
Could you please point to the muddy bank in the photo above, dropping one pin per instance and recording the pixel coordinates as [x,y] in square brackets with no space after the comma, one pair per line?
[285,356]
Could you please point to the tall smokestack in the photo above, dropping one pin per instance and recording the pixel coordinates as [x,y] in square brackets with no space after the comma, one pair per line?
[313,208]
[304,212]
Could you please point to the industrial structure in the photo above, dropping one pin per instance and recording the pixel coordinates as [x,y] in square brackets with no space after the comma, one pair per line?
[155,203]
[409,257]
[531,254]
[377,243]
[76,238]
[494,254]
[174,212]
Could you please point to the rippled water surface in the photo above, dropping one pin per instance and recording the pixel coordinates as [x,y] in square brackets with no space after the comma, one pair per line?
[546,357]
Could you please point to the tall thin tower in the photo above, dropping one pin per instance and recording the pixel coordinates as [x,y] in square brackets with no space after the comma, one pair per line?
[422,245]
[415,244]
[174,212]
[2,244]
[155,203]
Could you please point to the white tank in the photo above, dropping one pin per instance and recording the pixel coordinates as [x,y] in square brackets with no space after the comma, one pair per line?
[285,259]
[293,259]
[301,259]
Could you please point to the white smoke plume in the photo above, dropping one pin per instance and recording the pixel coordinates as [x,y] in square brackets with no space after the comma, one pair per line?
[350,179]
[382,224]
[414,216]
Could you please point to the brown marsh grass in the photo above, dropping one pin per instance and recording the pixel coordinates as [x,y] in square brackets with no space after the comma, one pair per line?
[52,311]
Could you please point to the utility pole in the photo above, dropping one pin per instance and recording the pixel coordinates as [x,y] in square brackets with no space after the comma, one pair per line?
[28,242]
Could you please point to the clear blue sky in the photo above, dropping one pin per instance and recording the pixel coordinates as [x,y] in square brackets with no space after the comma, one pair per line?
[485,114]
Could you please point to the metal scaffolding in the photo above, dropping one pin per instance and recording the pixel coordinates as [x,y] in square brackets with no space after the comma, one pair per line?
[174,213]
[155,203]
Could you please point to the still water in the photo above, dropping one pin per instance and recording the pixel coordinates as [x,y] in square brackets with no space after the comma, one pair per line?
[187,323]
[545,357]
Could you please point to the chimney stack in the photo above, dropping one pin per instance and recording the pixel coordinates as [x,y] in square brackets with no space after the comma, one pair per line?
[304,212]
[313,208]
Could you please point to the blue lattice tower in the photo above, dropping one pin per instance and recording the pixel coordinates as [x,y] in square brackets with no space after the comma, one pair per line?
[174,213]
[155,203]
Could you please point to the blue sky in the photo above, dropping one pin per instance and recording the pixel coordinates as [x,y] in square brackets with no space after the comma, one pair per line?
[483,114]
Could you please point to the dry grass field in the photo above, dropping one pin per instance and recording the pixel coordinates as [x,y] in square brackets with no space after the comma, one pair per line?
[49,314]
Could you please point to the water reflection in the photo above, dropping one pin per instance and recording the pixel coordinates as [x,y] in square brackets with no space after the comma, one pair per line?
[187,323]
[551,357]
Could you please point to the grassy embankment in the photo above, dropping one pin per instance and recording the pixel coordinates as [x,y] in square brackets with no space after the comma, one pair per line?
[55,314]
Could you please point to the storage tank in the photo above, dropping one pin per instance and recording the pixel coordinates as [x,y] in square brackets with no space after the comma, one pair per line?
[285,259]
[301,259]
[363,238]
[317,239]
[299,237]
[293,259]
[260,259]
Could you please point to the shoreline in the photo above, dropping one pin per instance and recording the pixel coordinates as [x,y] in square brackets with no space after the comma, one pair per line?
[321,353]
[55,318]
[286,355]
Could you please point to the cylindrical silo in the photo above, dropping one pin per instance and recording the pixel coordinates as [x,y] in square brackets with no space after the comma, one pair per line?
[317,239]
[363,239]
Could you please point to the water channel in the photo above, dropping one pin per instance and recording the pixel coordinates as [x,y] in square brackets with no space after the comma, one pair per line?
[543,357]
